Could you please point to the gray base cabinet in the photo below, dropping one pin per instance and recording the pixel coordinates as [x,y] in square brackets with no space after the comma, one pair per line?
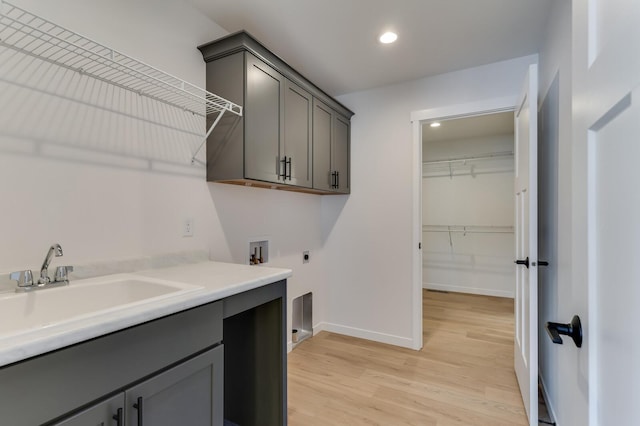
[175,370]
[274,144]
[109,412]
[188,394]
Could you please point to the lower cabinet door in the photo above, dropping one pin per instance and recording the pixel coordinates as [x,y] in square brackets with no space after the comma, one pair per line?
[105,413]
[189,394]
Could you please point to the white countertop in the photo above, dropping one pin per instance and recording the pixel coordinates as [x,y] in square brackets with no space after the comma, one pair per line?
[211,280]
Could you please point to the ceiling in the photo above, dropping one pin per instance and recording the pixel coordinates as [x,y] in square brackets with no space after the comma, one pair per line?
[469,127]
[334,42]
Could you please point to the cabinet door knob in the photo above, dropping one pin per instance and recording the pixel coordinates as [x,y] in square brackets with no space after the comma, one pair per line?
[524,262]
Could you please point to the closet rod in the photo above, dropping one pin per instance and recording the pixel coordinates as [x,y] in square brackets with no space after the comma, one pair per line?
[463,159]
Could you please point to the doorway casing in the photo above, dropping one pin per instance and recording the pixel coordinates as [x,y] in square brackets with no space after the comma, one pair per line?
[484,107]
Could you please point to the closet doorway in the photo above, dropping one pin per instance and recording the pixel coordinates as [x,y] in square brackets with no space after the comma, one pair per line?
[468,204]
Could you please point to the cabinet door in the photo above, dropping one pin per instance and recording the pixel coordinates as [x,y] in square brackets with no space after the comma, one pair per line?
[105,413]
[263,121]
[188,394]
[340,150]
[297,146]
[322,121]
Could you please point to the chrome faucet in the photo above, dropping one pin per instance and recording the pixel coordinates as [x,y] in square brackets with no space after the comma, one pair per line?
[44,271]
[61,277]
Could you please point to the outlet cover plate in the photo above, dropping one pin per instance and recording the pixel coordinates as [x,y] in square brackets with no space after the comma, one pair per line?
[187,228]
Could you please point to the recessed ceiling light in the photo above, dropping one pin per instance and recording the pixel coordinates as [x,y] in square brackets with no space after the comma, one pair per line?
[388,37]
[435,124]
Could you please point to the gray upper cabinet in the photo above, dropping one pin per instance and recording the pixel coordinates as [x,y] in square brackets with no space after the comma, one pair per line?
[331,150]
[323,178]
[274,144]
[340,152]
[263,121]
[297,141]
[277,127]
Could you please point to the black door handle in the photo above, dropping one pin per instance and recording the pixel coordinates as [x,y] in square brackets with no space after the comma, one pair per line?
[543,263]
[523,262]
[573,330]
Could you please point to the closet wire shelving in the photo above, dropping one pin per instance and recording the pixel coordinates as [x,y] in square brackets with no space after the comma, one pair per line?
[448,164]
[32,35]
[467,229]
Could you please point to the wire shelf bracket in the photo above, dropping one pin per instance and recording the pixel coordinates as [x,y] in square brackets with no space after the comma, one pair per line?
[32,35]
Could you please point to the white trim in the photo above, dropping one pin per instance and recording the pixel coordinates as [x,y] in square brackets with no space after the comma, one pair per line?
[487,106]
[469,290]
[416,241]
[318,328]
[390,339]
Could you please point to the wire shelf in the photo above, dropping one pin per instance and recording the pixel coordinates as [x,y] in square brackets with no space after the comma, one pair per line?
[492,156]
[481,164]
[469,229]
[32,35]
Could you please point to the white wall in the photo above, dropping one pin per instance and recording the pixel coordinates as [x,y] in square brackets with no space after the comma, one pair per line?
[109,177]
[476,193]
[107,185]
[368,234]
[555,291]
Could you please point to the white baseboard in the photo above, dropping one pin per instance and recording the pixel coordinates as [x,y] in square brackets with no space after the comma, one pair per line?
[470,290]
[545,395]
[390,339]
[318,328]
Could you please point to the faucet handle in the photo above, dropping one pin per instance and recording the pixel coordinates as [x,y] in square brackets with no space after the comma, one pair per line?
[62,273]
[24,278]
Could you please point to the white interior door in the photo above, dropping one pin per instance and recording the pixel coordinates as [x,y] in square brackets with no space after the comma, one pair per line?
[526,233]
[606,153]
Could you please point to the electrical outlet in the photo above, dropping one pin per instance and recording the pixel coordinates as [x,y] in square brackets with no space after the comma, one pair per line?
[305,256]
[187,228]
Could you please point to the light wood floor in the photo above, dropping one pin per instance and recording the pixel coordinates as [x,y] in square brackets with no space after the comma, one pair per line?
[463,376]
